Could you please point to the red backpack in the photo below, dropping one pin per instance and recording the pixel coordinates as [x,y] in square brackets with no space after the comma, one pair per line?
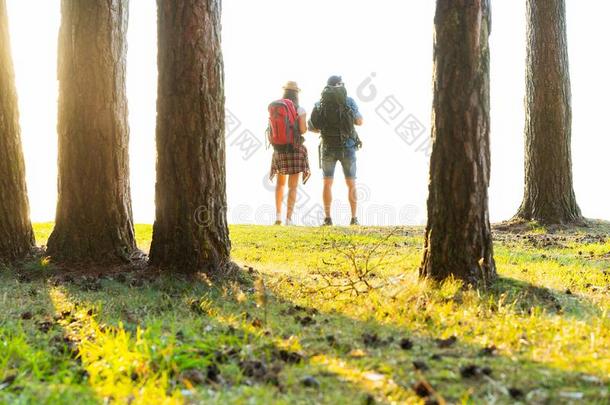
[283,124]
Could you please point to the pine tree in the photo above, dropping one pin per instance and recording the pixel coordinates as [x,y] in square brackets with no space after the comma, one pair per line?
[458,233]
[94,217]
[190,231]
[549,194]
[16,235]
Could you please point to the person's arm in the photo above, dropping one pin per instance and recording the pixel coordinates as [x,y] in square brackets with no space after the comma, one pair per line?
[358,119]
[312,128]
[314,116]
[303,123]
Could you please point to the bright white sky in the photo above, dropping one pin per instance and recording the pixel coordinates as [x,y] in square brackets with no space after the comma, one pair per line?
[269,42]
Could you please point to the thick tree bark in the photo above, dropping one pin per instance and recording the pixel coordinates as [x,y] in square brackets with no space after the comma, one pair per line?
[549,194]
[94,217]
[190,231]
[16,236]
[458,234]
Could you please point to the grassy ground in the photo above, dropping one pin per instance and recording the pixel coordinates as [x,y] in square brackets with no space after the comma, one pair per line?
[540,335]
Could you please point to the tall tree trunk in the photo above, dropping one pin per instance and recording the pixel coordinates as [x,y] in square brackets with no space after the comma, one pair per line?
[16,236]
[190,231]
[94,217]
[458,234]
[549,195]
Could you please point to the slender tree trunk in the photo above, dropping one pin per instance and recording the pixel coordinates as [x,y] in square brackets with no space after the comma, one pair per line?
[190,232]
[549,194]
[16,236]
[458,234]
[94,217]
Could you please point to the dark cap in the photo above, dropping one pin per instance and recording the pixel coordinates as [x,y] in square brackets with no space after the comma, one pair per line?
[334,81]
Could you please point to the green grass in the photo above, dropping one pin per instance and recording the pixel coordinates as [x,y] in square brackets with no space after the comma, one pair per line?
[542,332]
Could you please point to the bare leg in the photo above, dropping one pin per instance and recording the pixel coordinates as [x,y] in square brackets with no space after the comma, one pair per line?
[293,183]
[353,196]
[279,195]
[328,196]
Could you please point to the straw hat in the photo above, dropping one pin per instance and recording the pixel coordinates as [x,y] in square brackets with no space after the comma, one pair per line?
[290,85]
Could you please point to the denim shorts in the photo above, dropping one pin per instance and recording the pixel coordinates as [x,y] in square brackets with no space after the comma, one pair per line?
[347,157]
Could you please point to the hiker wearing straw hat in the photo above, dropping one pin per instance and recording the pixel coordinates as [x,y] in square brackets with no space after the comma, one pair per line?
[287,124]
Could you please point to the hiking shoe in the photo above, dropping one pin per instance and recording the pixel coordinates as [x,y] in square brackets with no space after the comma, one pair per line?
[289,222]
[278,222]
[354,222]
[328,222]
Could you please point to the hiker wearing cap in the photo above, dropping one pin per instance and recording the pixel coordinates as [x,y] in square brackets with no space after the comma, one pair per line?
[287,124]
[335,116]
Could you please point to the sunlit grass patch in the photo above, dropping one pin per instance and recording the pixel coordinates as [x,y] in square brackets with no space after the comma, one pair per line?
[377,384]
[43,231]
[119,366]
[34,364]
[530,316]
[143,234]
[539,335]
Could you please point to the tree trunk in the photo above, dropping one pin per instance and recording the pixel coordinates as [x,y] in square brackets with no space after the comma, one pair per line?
[16,236]
[94,217]
[458,234]
[549,195]
[190,231]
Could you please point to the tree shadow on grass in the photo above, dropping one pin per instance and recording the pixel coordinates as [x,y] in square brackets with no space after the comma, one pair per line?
[37,363]
[527,296]
[174,331]
[222,346]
